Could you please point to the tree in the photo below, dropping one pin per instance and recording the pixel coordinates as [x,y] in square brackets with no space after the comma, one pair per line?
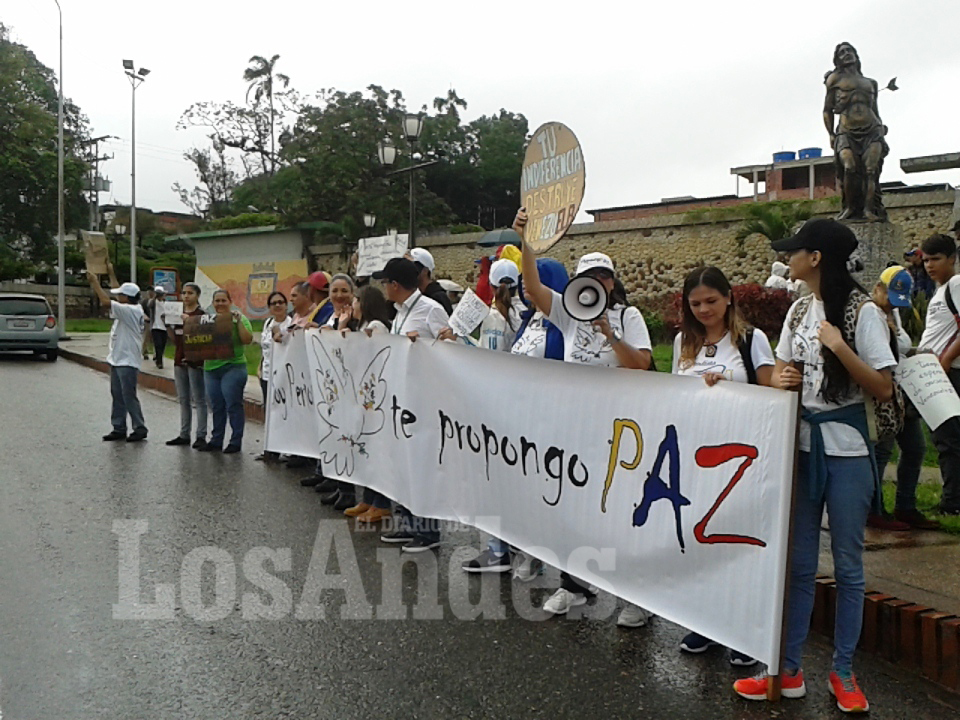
[774,220]
[260,75]
[28,162]
[210,199]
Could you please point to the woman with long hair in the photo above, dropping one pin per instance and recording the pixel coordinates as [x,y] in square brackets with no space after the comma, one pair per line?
[716,343]
[278,321]
[617,338]
[188,376]
[226,379]
[499,329]
[835,350]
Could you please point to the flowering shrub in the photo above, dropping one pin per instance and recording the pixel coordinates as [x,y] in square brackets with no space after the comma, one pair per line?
[764,308]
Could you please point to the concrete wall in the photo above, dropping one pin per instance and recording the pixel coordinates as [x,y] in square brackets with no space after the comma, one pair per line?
[654,253]
[81,302]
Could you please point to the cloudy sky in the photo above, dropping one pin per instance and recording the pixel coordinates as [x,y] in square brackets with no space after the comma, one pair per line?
[664,97]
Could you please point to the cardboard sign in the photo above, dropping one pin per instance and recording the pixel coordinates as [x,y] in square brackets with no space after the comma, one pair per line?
[172,312]
[95,251]
[926,384]
[552,183]
[468,314]
[373,253]
[208,337]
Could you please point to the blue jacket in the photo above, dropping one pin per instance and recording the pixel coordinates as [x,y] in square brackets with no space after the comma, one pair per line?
[554,275]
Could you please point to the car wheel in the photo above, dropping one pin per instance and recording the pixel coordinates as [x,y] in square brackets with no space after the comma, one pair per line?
[52,355]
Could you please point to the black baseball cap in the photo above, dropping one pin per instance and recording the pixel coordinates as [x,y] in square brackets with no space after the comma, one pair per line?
[401,270]
[827,236]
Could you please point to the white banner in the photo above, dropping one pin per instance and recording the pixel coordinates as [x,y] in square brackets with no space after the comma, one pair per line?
[374,252]
[926,384]
[653,487]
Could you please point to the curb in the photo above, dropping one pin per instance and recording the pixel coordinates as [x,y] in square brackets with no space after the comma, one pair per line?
[912,636]
[253,410]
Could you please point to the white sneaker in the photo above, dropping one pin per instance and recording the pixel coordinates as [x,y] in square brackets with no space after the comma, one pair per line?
[562,600]
[526,567]
[633,616]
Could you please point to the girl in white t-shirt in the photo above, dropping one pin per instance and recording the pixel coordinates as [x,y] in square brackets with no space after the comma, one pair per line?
[499,329]
[836,468]
[715,343]
[617,338]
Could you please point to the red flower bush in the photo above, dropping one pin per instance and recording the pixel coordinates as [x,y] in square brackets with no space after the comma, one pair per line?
[764,308]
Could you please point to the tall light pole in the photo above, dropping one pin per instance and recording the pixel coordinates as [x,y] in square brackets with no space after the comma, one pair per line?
[136,78]
[387,152]
[61,261]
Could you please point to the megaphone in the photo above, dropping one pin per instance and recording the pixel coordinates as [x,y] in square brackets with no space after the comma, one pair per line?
[584,298]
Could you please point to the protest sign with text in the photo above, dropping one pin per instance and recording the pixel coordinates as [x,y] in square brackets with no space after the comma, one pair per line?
[468,314]
[656,488]
[208,337]
[172,312]
[923,380]
[374,252]
[95,251]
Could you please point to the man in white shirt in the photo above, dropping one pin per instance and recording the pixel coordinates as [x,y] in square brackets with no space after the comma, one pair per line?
[417,317]
[124,356]
[158,328]
[941,337]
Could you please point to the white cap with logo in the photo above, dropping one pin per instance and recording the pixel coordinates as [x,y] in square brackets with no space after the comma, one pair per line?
[128,288]
[422,256]
[595,260]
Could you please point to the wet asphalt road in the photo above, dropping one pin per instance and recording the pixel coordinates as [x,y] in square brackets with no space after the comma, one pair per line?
[66,651]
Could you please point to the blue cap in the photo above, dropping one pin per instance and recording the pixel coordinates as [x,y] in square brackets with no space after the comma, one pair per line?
[898,289]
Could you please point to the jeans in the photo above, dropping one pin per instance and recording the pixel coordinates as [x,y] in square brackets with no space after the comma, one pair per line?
[190,385]
[498,546]
[912,448]
[123,391]
[946,438]
[426,529]
[377,500]
[225,394]
[848,496]
[159,343]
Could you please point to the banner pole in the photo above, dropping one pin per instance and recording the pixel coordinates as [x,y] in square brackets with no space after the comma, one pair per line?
[773,681]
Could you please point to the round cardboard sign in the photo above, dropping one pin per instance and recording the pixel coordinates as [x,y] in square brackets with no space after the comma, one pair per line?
[551,184]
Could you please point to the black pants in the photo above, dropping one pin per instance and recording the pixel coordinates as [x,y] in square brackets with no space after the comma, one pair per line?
[159,343]
[947,440]
[569,582]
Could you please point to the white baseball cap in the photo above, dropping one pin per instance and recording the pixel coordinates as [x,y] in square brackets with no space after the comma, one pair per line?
[128,288]
[450,286]
[504,271]
[594,260]
[160,289]
[419,255]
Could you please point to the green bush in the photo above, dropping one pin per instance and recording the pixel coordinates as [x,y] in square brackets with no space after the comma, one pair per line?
[246,220]
[464,229]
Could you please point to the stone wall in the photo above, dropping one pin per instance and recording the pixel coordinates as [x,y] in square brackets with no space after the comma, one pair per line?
[81,302]
[653,254]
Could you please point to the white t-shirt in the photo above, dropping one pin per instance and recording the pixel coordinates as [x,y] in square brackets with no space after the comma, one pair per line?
[496,333]
[126,334]
[941,325]
[533,342]
[583,344]
[266,342]
[872,343]
[727,360]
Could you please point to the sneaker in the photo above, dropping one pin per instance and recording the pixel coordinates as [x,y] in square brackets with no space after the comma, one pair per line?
[696,643]
[199,444]
[330,498]
[488,562]
[755,688]
[883,522]
[850,697]
[137,435]
[357,510]
[916,519]
[178,441]
[311,481]
[396,536]
[115,435]
[418,545]
[562,600]
[738,659]
[526,567]
[632,616]
[374,515]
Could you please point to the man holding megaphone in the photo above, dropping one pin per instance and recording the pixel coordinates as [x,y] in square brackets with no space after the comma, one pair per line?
[599,328]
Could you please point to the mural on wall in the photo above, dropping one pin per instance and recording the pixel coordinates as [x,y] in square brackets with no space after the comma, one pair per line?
[250,284]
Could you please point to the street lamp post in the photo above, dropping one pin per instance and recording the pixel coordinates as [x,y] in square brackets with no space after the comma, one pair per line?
[136,79]
[369,220]
[61,261]
[118,231]
[387,152]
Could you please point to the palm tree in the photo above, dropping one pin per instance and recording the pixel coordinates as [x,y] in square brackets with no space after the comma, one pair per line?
[261,77]
[773,220]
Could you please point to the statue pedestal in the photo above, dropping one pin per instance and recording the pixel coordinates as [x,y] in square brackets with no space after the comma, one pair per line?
[880,242]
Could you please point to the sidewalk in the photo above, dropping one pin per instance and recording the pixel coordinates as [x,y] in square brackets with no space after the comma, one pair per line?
[912,578]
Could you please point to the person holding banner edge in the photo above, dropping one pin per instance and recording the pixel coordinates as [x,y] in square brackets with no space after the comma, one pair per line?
[188,377]
[618,337]
[225,381]
[272,327]
[715,343]
[836,465]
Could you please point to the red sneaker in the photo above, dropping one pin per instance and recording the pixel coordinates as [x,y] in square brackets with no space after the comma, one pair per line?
[850,697]
[755,688]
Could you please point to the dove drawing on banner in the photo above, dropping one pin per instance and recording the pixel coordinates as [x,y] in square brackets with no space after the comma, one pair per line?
[349,412]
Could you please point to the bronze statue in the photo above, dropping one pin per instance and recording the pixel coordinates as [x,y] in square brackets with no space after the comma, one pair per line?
[858,140]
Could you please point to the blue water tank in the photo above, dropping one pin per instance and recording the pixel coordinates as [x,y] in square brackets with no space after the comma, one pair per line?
[785,156]
[808,153]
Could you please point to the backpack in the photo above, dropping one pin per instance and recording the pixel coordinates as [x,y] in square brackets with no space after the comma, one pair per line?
[948,296]
[745,346]
[885,419]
